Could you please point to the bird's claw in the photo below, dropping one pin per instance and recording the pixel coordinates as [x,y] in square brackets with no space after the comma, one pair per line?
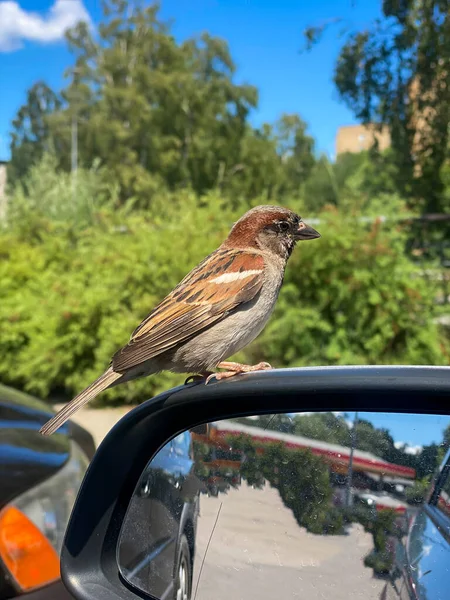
[199,377]
[234,369]
[194,379]
[208,379]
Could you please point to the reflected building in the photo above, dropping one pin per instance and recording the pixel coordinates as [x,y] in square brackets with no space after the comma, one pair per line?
[375,481]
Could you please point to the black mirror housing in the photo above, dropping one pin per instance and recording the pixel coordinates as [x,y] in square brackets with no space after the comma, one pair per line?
[89,565]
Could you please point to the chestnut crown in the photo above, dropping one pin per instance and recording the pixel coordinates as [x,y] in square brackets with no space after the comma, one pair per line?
[270,228]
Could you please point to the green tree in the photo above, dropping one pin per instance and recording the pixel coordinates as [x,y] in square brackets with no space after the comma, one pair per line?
[301,479]
[447,437]
[322,188]
[397,72]
[428,461]
[275,161]
[323,426]
[157,113]
[295,149]
[417,493]
[371,439]
[31,136]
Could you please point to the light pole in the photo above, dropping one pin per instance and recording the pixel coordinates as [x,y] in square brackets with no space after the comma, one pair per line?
[74,132]
[349,499]
[74,152]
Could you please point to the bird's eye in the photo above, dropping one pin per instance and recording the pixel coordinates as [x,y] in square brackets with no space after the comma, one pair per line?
[284,226]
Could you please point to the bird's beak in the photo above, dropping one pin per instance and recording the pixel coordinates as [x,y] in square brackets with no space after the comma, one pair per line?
[305,232]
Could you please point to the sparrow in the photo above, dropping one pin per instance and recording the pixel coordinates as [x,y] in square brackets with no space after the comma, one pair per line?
[216,310]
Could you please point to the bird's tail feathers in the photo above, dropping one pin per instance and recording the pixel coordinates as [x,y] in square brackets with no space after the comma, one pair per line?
[99,385]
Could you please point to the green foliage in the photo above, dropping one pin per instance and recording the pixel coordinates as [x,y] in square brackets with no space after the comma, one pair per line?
[335,429]
[70,297]
[447,437]
[364,181]
[159,114]
[382,527]
[429,461]
[396,72]
[301,478]
[78,275]
[333,522]
[31,136]
[323,426]
[417,493]
[58,197]
[353,298]
[380,562]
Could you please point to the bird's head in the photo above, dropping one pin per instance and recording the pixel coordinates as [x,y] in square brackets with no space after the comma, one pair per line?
[270,228]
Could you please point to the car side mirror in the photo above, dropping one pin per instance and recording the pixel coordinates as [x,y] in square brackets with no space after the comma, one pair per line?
[122,544]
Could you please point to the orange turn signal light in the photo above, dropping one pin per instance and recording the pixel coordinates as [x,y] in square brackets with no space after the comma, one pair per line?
[25,551]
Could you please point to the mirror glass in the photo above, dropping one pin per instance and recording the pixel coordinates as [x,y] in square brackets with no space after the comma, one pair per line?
[310,505]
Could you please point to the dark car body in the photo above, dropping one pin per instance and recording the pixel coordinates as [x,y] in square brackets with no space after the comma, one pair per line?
[163,509]
[26,460]
[422,558]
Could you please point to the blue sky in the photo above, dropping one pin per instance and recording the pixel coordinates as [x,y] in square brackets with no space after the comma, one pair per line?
[411,430]
[265,37]
[414,430]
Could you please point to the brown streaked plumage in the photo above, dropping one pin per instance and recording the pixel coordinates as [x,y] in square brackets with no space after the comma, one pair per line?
[188,309]
[216,310]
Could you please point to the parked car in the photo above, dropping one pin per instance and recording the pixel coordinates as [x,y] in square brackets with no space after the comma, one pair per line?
[158,553]
[39,481]
[422,557]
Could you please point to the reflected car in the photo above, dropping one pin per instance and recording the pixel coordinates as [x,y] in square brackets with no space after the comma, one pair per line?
[157,546]
[382,501]
[39,481]
[422,557]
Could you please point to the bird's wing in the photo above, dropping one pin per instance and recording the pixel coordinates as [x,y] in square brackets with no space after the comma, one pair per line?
[223,281]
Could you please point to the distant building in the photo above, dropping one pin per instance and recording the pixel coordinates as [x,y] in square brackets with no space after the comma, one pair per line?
[2,190]
[356,138]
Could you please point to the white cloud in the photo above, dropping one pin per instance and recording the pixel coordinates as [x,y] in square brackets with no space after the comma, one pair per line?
[18,25]
[408,449]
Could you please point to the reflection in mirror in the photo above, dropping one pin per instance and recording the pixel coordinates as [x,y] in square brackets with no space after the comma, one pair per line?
[314,505]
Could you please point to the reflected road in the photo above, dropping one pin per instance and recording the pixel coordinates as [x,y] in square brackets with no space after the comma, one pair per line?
[258,551]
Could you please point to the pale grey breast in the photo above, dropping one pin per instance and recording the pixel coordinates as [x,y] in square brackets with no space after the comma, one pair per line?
[236,331]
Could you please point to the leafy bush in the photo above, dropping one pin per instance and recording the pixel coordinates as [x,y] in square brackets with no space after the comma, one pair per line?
[353,297]
[380,562]
[417,493]
[46,194]
[334,523]
[301,478]
[381,524]
[73,290]
[303,482]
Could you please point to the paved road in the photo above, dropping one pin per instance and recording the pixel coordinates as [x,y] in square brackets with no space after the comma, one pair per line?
[98,421]
[259,552]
